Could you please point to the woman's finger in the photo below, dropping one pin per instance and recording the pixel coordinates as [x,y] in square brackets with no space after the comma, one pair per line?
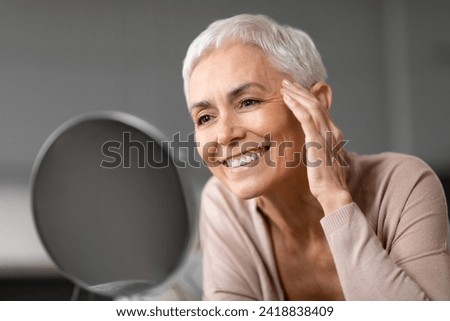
[304,116]
[298,89]
[311,108]
[320,113]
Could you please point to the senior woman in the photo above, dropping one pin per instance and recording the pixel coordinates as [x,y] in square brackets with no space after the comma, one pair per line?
[287,214]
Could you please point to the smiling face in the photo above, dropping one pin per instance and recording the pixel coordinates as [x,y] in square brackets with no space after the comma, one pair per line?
[235,102]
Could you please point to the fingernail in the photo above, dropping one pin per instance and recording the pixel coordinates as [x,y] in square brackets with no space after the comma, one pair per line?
[286,83]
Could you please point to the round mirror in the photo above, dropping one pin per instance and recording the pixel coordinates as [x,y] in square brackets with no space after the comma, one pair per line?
[109,206]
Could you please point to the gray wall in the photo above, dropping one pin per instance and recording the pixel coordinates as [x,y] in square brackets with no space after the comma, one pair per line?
[62,58]
[388,62]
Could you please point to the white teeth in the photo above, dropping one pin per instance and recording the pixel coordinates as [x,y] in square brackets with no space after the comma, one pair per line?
[244,159]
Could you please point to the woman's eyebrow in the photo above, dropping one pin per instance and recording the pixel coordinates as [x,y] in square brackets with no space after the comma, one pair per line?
[241,88]
[230,96]
[201,104]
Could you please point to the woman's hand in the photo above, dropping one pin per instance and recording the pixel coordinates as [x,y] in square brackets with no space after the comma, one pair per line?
[323,143]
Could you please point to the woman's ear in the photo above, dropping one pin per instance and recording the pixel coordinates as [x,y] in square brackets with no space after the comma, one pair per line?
[322,91]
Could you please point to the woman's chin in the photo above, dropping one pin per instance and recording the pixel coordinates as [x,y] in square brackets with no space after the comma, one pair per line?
[246,192]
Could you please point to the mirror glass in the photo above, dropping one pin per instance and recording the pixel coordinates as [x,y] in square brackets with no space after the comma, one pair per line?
[109,205]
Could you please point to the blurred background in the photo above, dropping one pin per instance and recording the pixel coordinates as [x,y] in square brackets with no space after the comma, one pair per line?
[388,63]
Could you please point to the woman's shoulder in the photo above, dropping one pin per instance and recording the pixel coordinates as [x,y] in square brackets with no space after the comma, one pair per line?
[213,188]
[386,185]
[395,169]
[388,161]
[216,197]
[234,220]
[215,191]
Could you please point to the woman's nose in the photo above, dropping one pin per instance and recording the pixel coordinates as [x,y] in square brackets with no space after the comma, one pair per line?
[229,130]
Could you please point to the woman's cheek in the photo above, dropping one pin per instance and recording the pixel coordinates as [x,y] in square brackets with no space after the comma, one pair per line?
[207,150]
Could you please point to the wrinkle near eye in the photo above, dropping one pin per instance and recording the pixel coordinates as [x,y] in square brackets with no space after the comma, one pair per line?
[248,102]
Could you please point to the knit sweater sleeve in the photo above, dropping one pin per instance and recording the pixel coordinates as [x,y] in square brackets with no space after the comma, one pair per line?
[416,265]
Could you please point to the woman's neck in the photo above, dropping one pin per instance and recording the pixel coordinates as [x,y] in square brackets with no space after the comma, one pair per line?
[292,210]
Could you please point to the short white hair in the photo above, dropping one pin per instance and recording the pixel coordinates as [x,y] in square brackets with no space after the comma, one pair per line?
[290,50]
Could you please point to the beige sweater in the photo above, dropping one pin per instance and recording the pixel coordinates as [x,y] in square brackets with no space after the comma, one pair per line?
[390,244]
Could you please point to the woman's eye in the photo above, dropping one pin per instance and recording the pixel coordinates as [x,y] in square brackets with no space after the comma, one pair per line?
[203,119]
[249,102]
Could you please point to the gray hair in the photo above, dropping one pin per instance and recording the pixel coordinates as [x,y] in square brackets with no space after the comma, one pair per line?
[290,50]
